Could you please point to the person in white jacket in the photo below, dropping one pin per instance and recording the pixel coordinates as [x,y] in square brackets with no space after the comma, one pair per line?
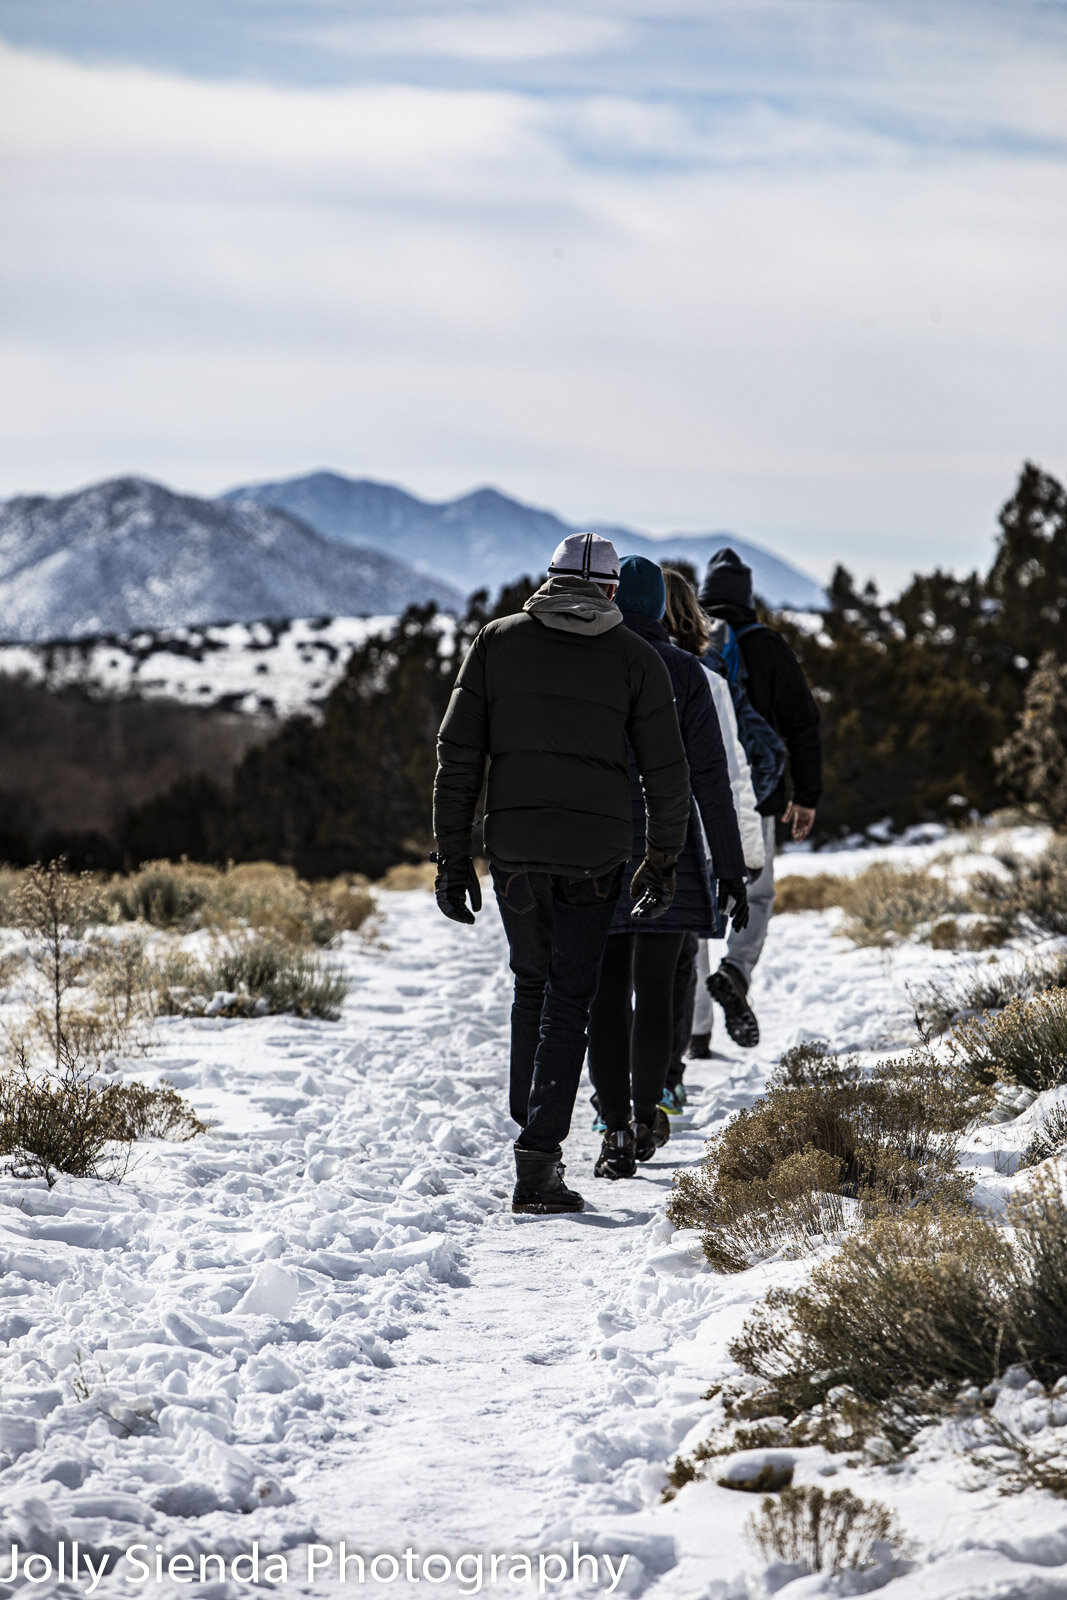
[688,628]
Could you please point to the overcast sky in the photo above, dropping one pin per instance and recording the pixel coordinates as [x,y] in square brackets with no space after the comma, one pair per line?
[793,268]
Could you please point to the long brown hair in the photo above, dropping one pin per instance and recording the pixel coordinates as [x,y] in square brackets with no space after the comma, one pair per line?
[686,623]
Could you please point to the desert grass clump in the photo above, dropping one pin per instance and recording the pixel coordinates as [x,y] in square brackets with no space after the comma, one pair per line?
[250,976]
[796,892]
[824,1131]
[884,904]
[1026,1043]
[836,1532]
[966,992]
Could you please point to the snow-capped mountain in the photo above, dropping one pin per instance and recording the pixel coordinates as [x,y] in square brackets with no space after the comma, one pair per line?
[129,554]
[487,539]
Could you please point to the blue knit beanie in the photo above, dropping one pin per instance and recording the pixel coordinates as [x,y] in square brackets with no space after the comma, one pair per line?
[642,591]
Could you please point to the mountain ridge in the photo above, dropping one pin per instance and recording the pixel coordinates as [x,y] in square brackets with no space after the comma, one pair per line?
[129,553]
[485,538]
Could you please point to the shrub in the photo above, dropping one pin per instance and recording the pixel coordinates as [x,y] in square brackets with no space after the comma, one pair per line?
[885,903]
[66,1122]
[1035,893]
[90,989]
[1025,1043]
[254,894]
[988,987]
[803,893]
[965,933]
[407,875]
[777,1171]
[1048,1140]
[161,894]
[823,1532]
[160,1113]
[251,976]
[1038,1310]
[917,1300]
[916,1305]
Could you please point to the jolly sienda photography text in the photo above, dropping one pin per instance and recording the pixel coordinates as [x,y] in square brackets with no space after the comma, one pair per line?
[142,1566]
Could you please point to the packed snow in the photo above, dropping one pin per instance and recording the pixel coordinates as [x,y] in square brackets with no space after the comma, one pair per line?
[320,1325]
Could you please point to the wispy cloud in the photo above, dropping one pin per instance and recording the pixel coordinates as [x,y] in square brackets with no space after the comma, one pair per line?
[508,34]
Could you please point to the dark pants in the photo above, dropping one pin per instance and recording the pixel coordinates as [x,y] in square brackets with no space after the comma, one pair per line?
[556,929]
[631,1025]
[685,993]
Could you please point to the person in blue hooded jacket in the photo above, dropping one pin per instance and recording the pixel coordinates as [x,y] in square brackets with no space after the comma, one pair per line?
[631,1021]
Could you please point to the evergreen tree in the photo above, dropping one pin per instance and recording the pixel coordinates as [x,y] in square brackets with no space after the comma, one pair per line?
[1027,586]
[1033,761]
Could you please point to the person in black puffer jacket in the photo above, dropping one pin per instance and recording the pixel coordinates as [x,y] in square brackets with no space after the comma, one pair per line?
[630,1039]
[555,699]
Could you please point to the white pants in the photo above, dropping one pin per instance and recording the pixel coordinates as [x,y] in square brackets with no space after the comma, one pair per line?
[742,948]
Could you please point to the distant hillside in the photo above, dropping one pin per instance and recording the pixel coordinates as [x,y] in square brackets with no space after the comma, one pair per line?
[129,554]
[273,668]
[487,539]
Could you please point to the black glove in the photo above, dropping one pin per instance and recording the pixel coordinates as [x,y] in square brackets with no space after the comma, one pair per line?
[736,890]
[652,885]
[455,880]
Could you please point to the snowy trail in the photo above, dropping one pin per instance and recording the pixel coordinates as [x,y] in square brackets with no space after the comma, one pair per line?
[322,1322]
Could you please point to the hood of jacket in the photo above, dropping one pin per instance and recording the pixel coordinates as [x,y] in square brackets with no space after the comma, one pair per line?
[574,605]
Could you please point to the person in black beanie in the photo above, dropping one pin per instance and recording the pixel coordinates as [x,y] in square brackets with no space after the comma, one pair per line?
[779,691]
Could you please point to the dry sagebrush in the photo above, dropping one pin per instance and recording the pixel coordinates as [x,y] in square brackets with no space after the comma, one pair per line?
[777,1173]
[1026,1043]
[90,1002]
[918,1304]
[957,995]
[824,1532]
[255,895]
[259,976]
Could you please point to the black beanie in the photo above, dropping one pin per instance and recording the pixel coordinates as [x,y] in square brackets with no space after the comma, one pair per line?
[727,581]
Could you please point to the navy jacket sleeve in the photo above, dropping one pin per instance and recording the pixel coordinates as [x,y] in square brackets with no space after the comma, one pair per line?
[656,739]
[709,773]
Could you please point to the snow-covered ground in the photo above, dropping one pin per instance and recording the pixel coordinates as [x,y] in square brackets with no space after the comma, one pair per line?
[321,1322]
[273,668]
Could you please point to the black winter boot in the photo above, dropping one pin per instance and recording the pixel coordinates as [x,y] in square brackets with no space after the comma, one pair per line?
[616,1159]
[729,988]
[699,1047]
[539,1186]
[652,1135]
